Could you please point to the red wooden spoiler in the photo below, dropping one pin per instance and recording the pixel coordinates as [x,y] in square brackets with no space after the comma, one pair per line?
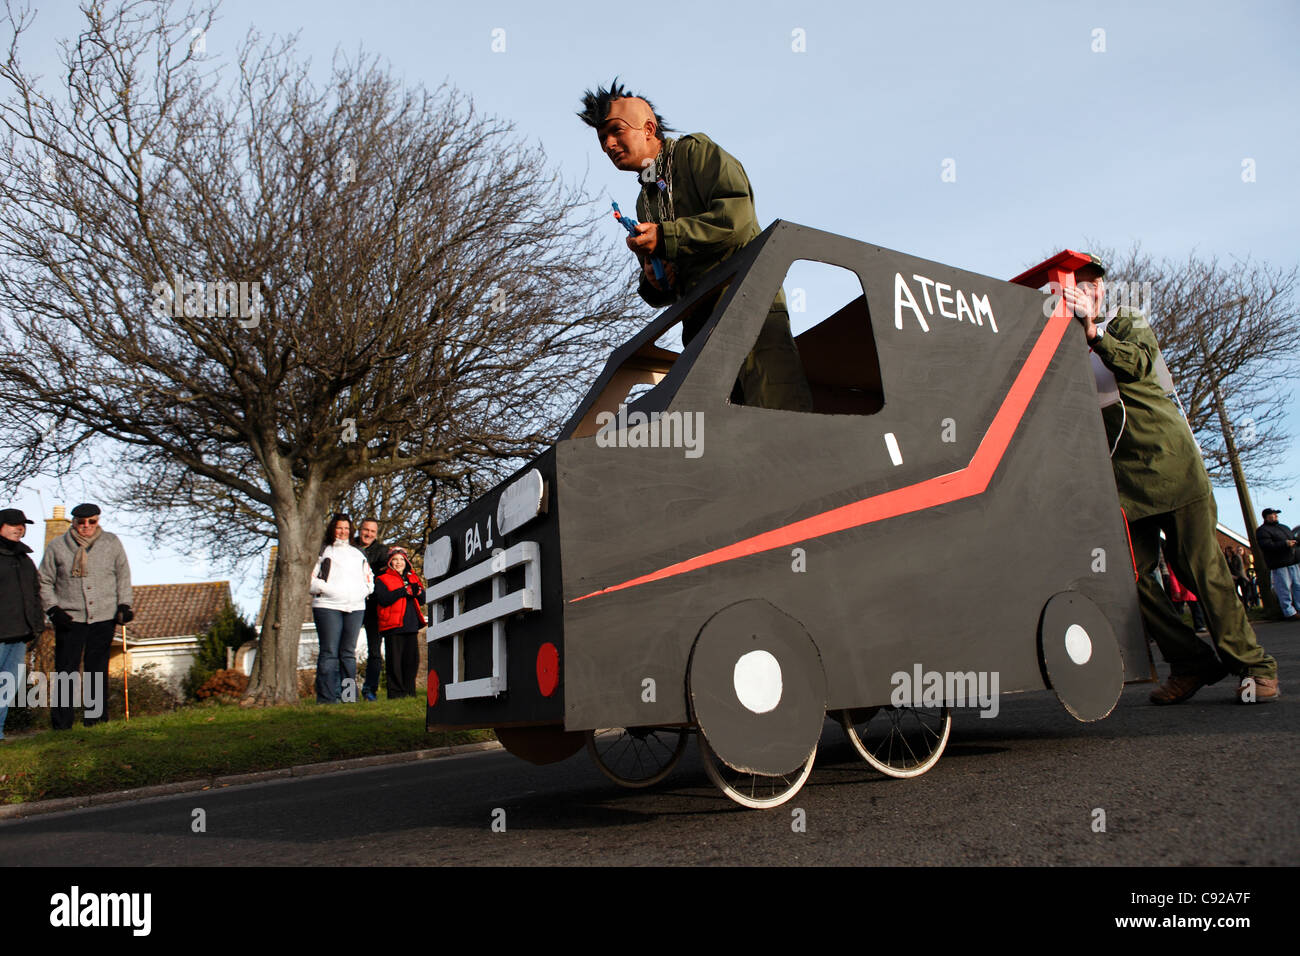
[1057,269]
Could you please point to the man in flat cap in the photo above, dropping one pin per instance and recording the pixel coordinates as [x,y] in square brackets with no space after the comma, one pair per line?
[696,208]
[20,605]
[1278,542]
[1163,487]
[86,591]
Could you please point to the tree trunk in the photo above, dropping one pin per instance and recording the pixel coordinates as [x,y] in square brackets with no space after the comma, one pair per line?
[1262,580]
[275,673]
[1265,586]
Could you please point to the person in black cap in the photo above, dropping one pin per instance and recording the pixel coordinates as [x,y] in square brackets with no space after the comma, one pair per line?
[86,591]
[20,606]
[1164,488]
[1277,541]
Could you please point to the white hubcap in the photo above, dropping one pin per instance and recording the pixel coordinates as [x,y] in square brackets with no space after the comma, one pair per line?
[1078,644]
[757,679]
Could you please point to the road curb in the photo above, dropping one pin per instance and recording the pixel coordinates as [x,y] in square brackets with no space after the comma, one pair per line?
[256,776]
[15,811]
[158,790]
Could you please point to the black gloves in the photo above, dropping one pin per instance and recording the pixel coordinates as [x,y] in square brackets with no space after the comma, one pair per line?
[62,618]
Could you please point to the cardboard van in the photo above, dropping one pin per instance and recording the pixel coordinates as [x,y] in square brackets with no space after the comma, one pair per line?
[944,525]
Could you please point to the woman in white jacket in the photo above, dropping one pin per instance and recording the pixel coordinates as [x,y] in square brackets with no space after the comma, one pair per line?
[340,583]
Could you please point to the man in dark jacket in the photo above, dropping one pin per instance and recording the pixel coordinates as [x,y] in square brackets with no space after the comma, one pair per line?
[697,209]
[1164,488]
[1278,542]
[20,606]
[376,553]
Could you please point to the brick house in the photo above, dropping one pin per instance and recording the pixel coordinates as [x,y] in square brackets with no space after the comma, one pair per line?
[169,620]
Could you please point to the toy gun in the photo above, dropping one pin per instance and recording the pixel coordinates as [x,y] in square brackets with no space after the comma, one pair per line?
[630,225]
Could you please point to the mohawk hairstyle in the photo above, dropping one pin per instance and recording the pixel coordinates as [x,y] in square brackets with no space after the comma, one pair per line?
[595,107]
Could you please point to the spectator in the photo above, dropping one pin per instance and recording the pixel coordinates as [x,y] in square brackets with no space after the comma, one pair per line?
[399,593]
[1248,559]
[1277,541]
[340,584]
[21,622]
[377,555]
[86,591]
[1237,568]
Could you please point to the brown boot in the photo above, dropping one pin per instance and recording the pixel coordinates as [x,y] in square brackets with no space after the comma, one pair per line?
[1258,690]
[1177,688]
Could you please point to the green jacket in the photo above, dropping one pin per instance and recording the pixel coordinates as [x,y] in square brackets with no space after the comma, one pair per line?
[1157,465]
[712,211]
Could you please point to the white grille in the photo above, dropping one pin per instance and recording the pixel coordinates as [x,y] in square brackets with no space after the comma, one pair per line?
[503,604]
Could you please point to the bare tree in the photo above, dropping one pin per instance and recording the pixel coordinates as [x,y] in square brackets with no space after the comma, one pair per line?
[408,505]
[254,292]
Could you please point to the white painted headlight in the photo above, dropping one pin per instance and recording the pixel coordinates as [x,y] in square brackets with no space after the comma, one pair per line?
[437,558]
[521,502]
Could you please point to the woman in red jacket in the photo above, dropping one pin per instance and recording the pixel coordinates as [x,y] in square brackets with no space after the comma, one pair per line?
[399,596]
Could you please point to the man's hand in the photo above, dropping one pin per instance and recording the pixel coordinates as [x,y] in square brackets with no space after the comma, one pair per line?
[1084,308]
[649,239]
[60,617]
[670,275]
[124,614]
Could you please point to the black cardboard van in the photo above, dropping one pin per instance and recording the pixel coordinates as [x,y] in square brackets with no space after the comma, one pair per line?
[678,562]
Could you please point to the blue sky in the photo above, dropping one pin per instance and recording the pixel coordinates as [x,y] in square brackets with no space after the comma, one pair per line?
[1051,139]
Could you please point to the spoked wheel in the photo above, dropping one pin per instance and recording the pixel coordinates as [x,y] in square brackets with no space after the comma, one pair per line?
[636,756]
[758,791]
[898,741]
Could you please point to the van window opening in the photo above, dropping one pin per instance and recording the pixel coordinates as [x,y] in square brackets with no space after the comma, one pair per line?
[832,332]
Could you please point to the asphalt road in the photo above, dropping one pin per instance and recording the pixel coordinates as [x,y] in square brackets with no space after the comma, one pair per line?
[1206,782]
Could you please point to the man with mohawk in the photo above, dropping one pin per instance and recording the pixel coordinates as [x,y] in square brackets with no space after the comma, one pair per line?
[696,208]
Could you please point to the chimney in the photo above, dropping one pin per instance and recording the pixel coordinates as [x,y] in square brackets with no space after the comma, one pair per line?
[56,525]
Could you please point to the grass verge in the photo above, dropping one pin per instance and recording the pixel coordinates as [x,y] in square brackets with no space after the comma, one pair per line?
[210,740]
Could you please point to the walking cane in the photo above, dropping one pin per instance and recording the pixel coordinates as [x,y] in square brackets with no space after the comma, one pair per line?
[126,676]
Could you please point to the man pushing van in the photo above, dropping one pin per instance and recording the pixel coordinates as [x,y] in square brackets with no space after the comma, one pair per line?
[1163,487]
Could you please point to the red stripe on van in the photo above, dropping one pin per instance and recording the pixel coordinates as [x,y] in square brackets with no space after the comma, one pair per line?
[970,481]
